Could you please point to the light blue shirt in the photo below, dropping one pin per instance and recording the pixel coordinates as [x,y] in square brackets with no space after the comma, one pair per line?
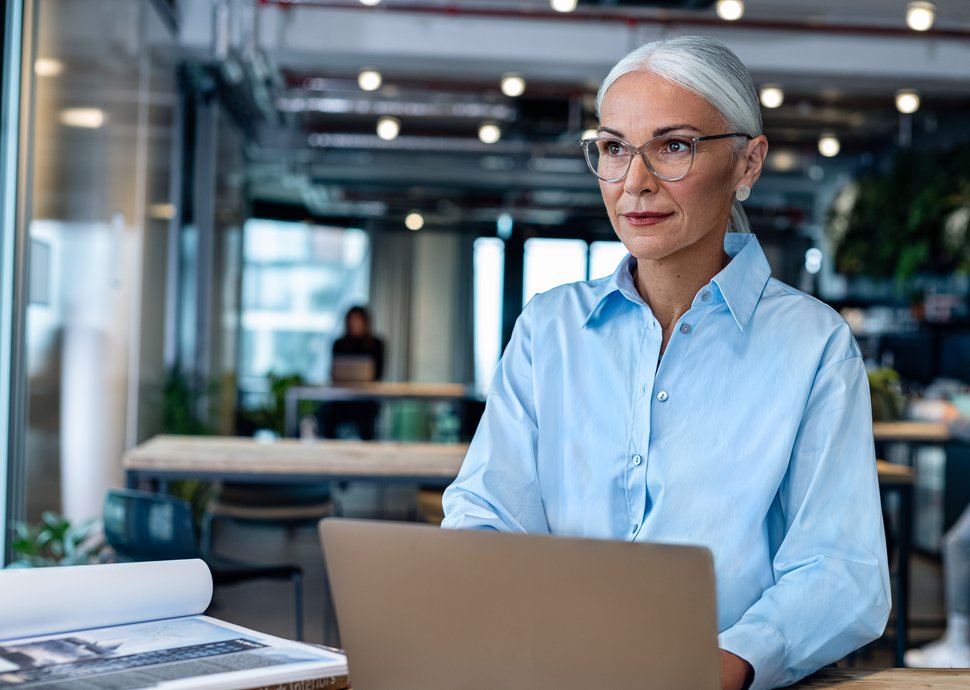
[752,437]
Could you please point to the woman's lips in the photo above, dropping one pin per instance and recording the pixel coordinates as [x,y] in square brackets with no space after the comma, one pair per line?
[645,218]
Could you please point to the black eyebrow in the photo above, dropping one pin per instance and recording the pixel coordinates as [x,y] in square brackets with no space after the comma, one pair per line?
[657,132]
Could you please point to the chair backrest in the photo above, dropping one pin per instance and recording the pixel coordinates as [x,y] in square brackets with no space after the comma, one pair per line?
[143,526]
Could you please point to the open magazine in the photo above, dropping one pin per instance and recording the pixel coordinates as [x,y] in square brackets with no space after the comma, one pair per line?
[128,626]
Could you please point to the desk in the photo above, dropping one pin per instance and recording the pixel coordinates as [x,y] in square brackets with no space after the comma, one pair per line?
[910,432]
[245,460]
[378,391]
[899,479]
[886,679]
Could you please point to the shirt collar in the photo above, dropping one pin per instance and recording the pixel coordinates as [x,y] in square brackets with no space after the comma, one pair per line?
[739,284]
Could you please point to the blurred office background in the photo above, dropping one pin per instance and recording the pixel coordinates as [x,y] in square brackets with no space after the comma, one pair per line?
[195,191]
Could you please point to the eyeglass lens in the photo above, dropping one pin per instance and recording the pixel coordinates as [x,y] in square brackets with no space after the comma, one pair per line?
[667,156]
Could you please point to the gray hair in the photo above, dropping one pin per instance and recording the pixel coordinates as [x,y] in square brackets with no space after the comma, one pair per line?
[707,67]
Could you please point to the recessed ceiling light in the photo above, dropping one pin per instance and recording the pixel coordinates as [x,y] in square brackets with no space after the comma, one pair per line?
[563,5]
[513,85]
[772,96]
[489,133]
[414,221]
[369,79]
[48,67]
[907,101]
[729,10]
[588,134]
[86,118]
[388,128]
[829,145]
[370,3]
[920,15]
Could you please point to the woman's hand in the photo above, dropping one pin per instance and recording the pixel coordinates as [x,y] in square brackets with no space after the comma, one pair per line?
[736,673]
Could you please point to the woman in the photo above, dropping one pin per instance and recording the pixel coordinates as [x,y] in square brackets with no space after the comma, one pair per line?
[690,397]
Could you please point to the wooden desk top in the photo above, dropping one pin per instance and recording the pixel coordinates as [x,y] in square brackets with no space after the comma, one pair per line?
[380,389]
[912,432]
[241,456]
[886,679]
[891,473]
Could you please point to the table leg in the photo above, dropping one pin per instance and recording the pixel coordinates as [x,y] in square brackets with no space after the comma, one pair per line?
[905,539]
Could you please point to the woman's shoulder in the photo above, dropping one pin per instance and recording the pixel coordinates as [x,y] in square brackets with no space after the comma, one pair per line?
[816,323]
[569,300]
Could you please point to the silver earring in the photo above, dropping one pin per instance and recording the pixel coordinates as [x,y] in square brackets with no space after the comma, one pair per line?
[744,191]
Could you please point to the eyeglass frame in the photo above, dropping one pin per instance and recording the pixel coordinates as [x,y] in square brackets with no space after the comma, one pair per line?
[641,152]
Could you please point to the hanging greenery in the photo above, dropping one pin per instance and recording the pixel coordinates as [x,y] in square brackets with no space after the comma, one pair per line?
[912,219]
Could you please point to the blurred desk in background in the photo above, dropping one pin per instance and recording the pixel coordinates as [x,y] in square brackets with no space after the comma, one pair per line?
[886,679]
[910,432]
[376,392]
[229,458]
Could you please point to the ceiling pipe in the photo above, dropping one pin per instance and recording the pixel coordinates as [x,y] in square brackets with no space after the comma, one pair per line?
[630,20]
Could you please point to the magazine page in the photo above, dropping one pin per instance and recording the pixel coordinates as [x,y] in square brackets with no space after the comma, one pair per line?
[43,601]
[171,654]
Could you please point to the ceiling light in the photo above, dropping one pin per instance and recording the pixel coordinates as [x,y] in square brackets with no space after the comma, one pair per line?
[513,85]
[563,5]
[729,10]
[489,133]
[370,3]
[772,96]
[813,260]
[86,118]
[369,79]
[414,221]
[589,134]
[828,145]
[388,128]
[48,67]
[907,101]
[920,15]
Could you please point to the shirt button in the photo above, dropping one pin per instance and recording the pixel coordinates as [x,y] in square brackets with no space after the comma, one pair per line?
[685,328]
[662,396]
[706,297]
[637,459]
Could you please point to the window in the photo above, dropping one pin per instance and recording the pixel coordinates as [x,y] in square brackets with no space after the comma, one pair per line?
[298,281]
[488,256]
[549,263]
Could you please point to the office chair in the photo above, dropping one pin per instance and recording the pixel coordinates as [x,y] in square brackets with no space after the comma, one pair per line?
[141,526]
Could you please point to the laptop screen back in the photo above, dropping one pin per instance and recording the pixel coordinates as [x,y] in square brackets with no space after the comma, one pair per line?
[430,609]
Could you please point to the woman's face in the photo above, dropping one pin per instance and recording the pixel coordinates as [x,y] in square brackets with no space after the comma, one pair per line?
[655,219]
[356,325]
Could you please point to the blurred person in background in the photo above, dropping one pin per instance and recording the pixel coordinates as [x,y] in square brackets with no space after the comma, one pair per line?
[358,358]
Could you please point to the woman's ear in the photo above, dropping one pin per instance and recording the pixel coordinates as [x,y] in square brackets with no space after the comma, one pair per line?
[753,160]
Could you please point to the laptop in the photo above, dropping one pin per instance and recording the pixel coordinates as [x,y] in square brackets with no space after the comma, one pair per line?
[424,608]
[352,369]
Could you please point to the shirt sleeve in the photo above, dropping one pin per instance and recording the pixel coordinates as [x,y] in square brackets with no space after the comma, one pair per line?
[497,487]
[831,580]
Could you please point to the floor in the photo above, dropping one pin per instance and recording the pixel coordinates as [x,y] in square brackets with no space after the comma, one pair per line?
[268,606]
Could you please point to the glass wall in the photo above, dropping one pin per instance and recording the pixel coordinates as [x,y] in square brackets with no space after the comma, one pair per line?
[101,144]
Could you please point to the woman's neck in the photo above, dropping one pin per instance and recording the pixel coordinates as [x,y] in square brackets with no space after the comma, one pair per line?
[669,285]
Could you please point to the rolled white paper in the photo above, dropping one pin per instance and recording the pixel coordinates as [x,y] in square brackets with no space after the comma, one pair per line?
[41,601]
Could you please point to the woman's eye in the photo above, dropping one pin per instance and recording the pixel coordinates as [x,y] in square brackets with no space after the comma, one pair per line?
[676,146]
[614,148]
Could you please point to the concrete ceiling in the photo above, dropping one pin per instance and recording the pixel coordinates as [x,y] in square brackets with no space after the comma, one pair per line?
[839,62]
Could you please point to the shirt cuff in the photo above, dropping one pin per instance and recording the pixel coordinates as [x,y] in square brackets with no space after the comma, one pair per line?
[762,647]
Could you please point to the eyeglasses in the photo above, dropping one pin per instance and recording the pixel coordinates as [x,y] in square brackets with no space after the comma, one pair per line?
[668,156]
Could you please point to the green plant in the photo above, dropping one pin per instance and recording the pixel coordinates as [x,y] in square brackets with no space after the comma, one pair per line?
[887,396]
[913,218]
[185,401]
[272,415]
[55,541]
